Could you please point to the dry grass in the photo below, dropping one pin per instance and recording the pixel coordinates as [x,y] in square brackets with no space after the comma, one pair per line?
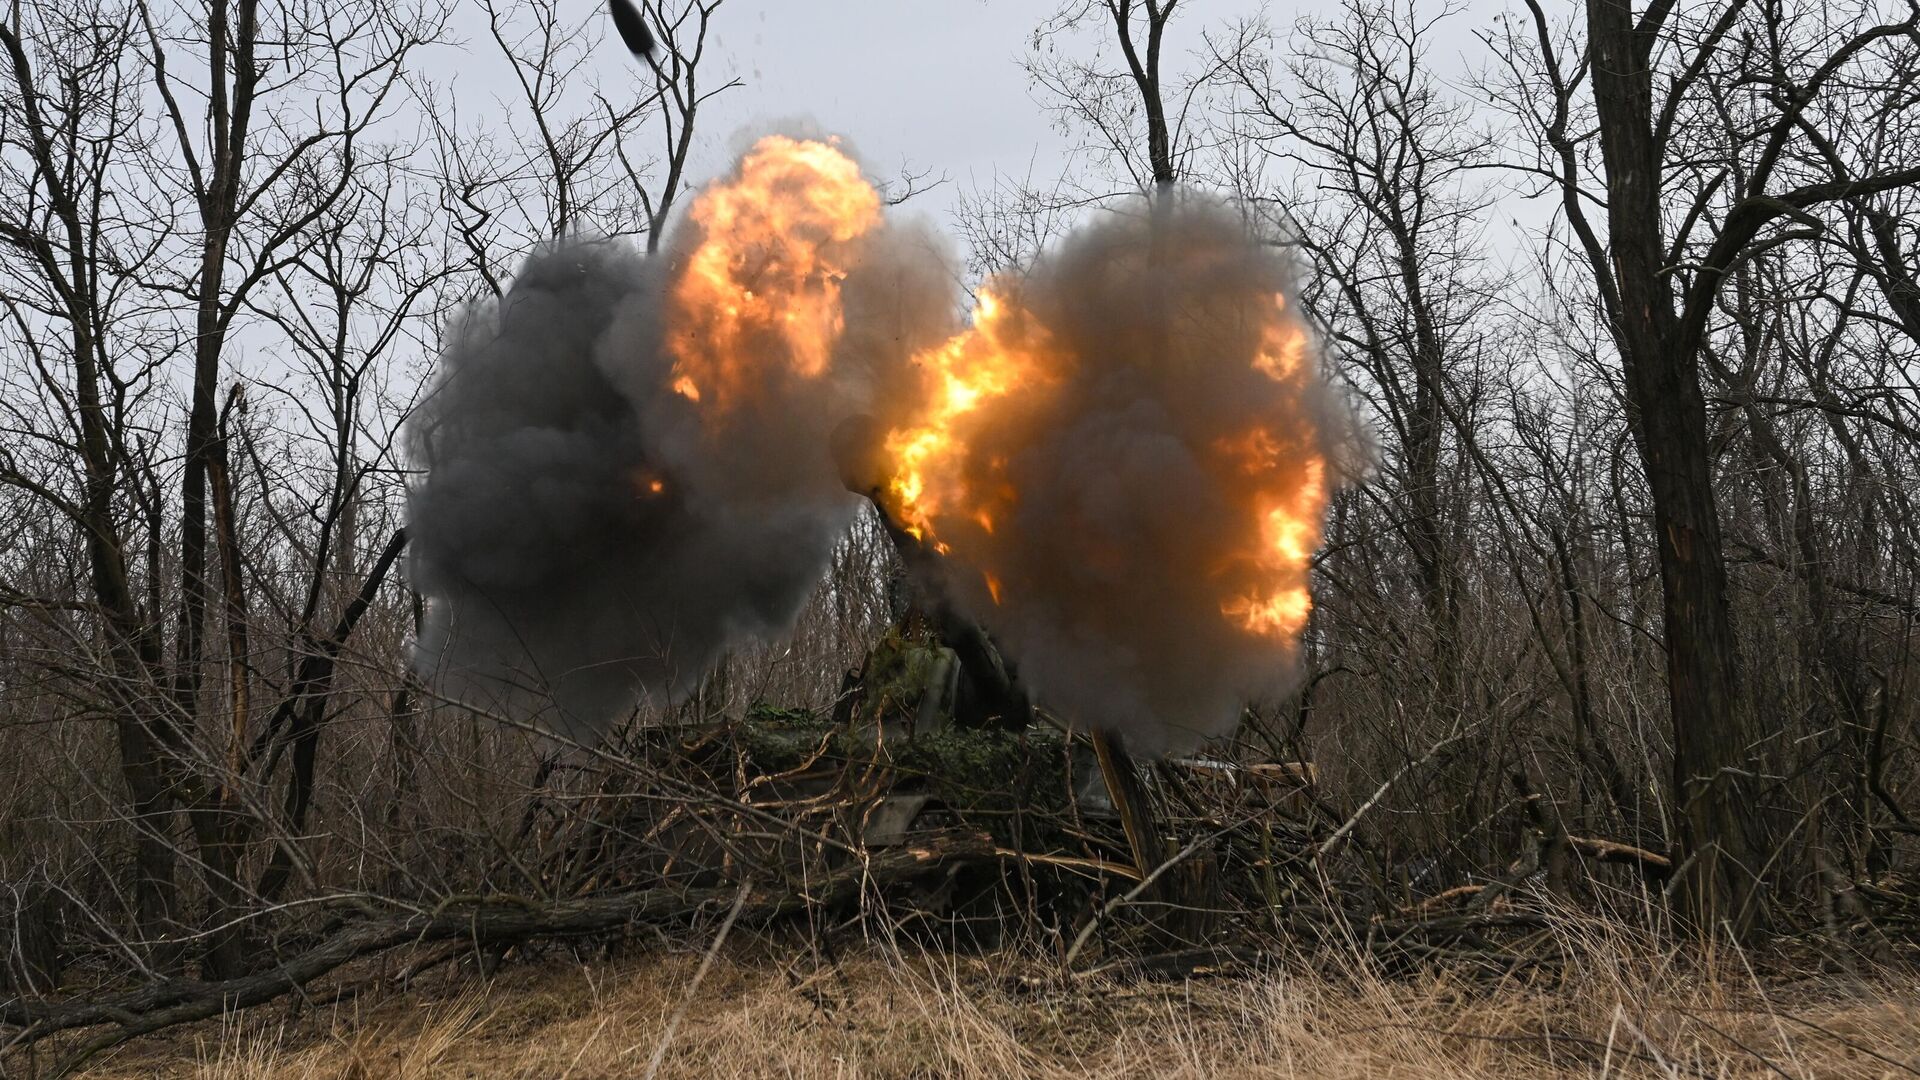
[1625,1008]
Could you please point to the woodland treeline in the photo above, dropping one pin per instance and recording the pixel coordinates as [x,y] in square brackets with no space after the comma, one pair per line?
[1624,611]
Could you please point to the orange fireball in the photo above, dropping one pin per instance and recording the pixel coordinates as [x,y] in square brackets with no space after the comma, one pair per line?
[762,284]
[1287,490]
[964,381]
[949,483]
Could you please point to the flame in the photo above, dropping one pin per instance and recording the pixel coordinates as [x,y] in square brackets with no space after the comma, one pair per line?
[998,357]
[1272,474]
[763,283]
[755,308]
[1284,346]
[1289,534]
[1289,496]
[646,483]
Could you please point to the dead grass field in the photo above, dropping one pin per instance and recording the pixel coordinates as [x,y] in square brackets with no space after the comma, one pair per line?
[1620,1008]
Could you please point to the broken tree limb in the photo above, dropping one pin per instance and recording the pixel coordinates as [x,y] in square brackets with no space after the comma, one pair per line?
[1147,882]
[1610,851]
[1532,854]
[1130,802]
[481,920]
[1204,840]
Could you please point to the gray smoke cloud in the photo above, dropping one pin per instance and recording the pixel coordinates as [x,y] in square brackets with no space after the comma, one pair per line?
[1130,526]
[585,535]
[600,516]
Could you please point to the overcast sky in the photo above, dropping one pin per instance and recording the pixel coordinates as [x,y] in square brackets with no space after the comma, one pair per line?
[934,84]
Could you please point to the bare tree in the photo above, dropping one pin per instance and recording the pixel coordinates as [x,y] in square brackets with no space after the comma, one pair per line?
[1386,205]
[564,159]
[1659,273]
[254,175]
[73,132]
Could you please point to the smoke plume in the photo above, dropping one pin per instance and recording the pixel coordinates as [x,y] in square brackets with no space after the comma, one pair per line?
[625,459]
[1124,465]
[1120,469]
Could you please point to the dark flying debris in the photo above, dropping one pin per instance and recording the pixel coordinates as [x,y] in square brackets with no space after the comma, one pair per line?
[632,27]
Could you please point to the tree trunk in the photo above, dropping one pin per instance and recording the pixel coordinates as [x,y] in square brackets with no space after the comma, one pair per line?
[1721,843]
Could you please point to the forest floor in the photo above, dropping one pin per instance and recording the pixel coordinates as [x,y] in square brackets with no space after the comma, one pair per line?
[764,1011]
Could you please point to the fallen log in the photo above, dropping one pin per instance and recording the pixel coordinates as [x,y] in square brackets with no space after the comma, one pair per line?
[483,920]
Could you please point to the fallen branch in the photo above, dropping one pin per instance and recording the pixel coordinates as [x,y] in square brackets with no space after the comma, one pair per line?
[1609,851]
[482,920]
